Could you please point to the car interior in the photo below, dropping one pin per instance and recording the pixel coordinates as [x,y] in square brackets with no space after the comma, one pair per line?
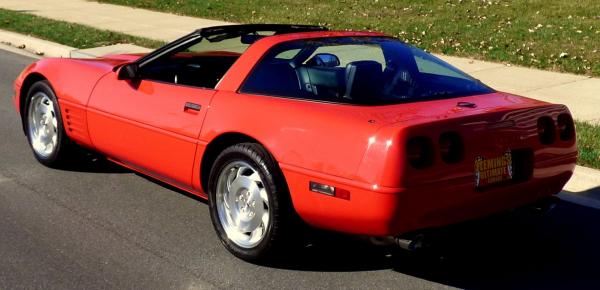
[320,77]
[397,75]
[315,79]
[306,74]
[368,74]
[203,70]
[332,82]
[204,61]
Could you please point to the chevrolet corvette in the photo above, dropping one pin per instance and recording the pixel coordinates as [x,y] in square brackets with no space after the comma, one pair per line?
[278,126]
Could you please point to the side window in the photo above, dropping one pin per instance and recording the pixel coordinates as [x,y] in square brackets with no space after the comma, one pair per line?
[232,45]
[351,53]
[357,70]
[430,66]
[275,74]
[199,64]
[288,54]
[323,70]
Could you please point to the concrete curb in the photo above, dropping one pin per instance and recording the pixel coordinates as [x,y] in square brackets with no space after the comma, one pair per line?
[18,51]
[32,46]
[35,45]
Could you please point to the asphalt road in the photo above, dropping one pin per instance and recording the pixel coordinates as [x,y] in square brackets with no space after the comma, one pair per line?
[101,226]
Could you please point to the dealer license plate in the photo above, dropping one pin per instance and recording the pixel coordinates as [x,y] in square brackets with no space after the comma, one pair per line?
[493,170]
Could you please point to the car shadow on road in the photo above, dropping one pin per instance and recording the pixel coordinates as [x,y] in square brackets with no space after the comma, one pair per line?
[592,193]
[173,188]
[86,161]
[514,250]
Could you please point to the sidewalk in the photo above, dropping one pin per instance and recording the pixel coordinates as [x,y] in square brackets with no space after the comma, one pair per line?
[132,21]
[580,93]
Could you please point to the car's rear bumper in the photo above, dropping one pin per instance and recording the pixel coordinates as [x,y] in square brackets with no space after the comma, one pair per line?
[391,212]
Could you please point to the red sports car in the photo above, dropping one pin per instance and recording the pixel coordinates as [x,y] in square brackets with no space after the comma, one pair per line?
[355,132]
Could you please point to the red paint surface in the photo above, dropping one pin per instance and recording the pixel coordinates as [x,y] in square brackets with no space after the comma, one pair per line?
[358,149]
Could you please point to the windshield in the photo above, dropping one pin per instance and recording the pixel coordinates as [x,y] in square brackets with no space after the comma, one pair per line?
[358,70]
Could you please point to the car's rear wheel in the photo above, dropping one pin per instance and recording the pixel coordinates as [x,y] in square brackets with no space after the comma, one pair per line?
[249,202]
[44,127]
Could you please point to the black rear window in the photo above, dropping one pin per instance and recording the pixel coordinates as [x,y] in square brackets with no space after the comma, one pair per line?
[358,70]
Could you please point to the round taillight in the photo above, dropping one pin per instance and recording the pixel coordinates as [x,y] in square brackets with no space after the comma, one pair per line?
[451,147]
[419,152]
[546,130]
[566,128]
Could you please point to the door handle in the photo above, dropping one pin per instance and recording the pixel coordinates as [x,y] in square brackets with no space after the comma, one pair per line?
[191,106]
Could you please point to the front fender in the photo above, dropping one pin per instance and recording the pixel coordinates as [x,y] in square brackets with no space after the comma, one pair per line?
[73,81]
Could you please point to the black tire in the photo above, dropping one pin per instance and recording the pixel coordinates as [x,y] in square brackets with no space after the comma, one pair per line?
[61,152]
[283,220]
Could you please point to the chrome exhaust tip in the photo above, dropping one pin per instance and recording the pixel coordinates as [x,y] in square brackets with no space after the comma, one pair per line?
[382,241]
[412,245]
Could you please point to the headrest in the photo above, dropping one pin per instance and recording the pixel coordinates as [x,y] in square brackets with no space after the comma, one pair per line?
[363,80]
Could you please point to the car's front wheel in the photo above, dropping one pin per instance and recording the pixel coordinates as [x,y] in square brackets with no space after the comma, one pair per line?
[249,203]
[43,125]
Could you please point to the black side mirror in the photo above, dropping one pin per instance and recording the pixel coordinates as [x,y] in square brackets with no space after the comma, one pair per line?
[324,60]
[128,72]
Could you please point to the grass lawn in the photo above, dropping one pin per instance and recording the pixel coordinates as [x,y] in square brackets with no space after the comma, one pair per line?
[74,35]
[548,34]
[588,141]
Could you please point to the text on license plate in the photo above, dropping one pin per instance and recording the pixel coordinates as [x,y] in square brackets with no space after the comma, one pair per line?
[493,170]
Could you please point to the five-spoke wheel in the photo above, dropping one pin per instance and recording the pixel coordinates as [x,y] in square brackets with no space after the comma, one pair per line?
[42,124]
[249,203]
[44,127]
[242,204]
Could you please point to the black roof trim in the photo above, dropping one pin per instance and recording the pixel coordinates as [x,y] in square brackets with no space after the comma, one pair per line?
[240,29]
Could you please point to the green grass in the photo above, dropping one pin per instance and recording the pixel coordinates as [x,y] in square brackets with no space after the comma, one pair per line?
[588,141]
[531,33]
[75,35]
